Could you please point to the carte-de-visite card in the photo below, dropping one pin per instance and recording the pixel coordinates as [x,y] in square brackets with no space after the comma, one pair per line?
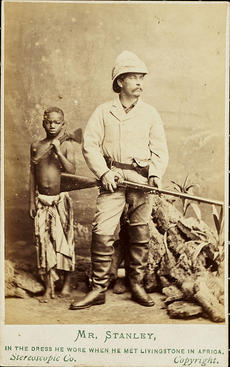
[68,70]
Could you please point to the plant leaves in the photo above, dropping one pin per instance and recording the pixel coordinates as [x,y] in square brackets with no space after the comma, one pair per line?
[196,210]
[216,219]
[179,186]
[186,205]
[190,186]
[165,241]
[185,181]
[221,215]
[222,226]
[175,188]
[198,250]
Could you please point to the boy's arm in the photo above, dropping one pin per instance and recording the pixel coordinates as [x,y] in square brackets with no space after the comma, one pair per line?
[32,206]
[65,154]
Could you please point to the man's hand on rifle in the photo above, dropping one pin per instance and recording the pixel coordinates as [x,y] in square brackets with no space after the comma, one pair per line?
[155,182]
[109,180]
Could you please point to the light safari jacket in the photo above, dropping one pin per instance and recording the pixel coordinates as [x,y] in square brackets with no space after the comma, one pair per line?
[138,134]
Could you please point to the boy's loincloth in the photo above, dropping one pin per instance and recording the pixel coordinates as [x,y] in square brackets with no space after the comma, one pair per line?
[54,232]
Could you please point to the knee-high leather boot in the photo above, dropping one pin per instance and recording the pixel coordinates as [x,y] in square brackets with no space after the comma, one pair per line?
[101,253]
[138,257]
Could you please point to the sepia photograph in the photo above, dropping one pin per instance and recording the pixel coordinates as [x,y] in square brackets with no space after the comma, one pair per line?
[114,183]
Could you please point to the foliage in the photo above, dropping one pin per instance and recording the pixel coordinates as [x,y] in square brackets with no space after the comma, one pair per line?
[186,188]
[219,224]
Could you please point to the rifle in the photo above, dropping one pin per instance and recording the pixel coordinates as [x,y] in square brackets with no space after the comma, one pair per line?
[71,182]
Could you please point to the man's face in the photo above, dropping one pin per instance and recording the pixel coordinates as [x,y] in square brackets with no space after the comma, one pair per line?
[132,84]
[53,123]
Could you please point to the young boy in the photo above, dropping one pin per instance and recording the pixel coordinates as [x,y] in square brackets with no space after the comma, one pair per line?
[51,209]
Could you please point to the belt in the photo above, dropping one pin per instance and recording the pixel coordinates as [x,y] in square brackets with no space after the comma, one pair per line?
[143,171]
[122,165]
[112,163]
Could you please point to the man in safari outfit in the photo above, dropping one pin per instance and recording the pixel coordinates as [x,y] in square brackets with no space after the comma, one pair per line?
[124,138]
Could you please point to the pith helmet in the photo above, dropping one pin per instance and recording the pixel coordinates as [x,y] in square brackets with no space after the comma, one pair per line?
[127,62]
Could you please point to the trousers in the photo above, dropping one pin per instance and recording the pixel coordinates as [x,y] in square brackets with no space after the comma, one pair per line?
[110,206]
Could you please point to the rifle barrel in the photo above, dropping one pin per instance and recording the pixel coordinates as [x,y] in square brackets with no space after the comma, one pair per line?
[153,189]
[71,182]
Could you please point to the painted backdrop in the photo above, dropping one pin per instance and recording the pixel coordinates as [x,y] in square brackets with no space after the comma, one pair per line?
[62,54]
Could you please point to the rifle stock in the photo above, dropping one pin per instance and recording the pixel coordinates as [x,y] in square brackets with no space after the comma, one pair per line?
[71,182]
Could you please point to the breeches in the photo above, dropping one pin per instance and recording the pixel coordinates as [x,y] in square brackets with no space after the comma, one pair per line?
[110,206]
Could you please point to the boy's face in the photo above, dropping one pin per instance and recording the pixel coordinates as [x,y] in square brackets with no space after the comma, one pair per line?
[132,84]
[53,123]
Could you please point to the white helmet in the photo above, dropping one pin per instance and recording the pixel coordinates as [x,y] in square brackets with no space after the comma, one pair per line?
[126,62]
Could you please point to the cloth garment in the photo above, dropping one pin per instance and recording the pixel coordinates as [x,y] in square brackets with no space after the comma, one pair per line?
[54,232]
[129,108]
[122,136]
[110,207]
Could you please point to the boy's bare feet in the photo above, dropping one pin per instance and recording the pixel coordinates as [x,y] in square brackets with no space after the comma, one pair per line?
[46,297]
[49,292]
[66,289]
